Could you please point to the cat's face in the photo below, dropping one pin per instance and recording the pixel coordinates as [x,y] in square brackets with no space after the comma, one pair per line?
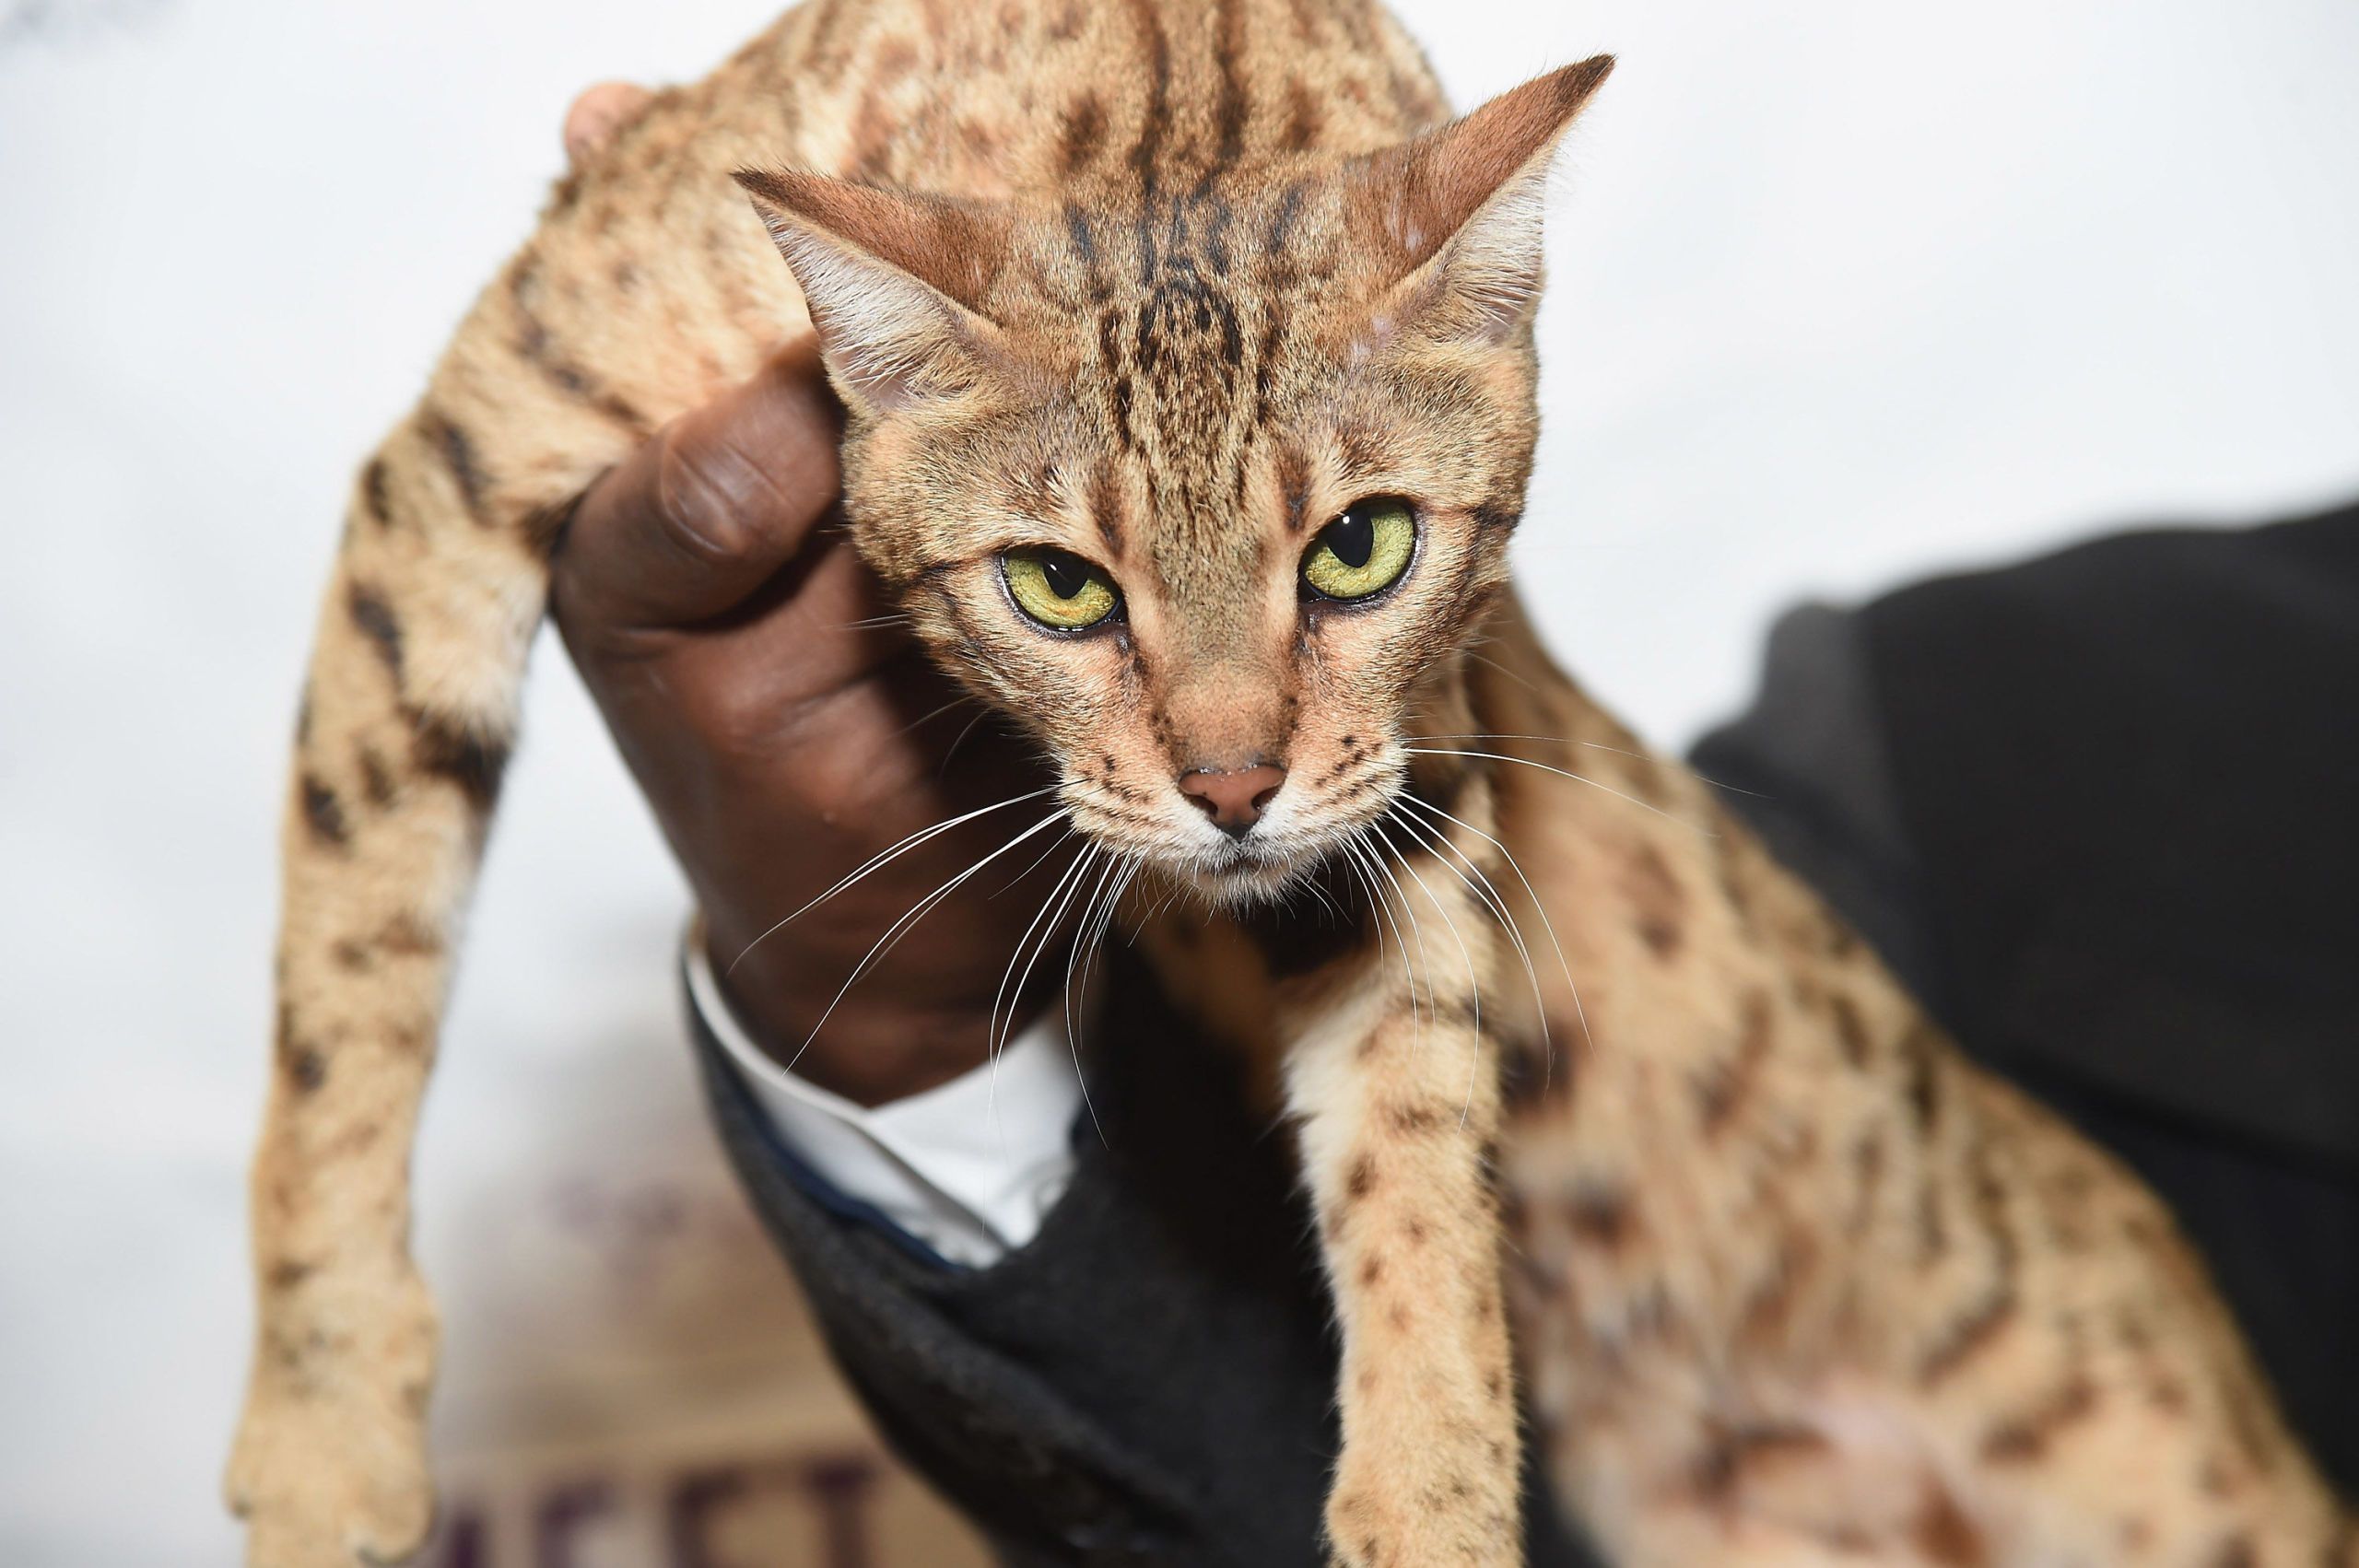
[1207,489]
[1244,587]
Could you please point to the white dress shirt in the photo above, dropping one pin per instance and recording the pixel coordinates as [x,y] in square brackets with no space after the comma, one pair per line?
[970,1168]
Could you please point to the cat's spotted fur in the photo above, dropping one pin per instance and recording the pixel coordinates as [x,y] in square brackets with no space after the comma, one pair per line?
[1787,1279]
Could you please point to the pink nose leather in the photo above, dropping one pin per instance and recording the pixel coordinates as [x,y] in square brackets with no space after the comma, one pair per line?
[1234,798]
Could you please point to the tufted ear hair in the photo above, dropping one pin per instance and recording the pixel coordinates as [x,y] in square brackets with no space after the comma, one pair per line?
[893,280]
[1457,212]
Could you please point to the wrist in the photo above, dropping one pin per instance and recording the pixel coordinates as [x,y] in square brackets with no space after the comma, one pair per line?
[870,1049]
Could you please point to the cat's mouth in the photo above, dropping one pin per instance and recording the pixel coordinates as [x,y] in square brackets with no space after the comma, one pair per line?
[1258,870]
[1290,851]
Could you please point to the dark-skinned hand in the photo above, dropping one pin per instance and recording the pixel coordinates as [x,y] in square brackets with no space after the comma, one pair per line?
[785,729]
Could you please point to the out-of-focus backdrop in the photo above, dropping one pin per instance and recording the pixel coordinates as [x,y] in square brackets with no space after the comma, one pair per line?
[1842,293]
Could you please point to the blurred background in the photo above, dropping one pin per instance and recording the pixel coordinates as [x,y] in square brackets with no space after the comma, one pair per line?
[1843,293]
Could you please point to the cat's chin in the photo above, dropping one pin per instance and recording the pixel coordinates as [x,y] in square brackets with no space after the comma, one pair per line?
[1243,885]
[1247,876]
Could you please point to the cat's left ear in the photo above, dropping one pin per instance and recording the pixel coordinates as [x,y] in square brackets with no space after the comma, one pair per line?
[893,281]
[1457,214]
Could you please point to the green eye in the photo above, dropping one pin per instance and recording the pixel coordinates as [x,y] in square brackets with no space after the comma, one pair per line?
[1365,550]
[1058,589]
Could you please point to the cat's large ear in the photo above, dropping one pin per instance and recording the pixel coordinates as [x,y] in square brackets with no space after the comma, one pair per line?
[1456,215]
[892,280]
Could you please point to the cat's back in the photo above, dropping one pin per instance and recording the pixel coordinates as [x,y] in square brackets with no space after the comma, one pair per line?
[1010,97]
[651,285]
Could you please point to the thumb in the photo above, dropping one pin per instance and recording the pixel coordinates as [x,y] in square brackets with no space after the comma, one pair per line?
[709,509]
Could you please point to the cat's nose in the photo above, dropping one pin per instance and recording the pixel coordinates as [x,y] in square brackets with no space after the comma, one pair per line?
[1234,798]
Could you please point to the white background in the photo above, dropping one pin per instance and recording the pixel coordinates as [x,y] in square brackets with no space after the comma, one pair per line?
[1842,293]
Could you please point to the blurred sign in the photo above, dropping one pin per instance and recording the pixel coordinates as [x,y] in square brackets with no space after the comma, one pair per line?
[630,1378]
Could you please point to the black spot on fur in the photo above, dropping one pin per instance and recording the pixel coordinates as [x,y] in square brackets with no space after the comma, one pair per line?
[374,493]
[1526,1077]
[2236,1551]
[2028,1436]
[1415,1120]
[410,937]
[1601,1212]
[1921,1083]
[538,346]
[1081,132]
[1283,221]
[1303,119]
[458,450]
[1976,1328]
[379,625]
[1156,121]
[376,778]
[1724,1086]
[324,814]
[1106,511]
[1850,1030]
[1230,107]
[448,751]
[304,1067]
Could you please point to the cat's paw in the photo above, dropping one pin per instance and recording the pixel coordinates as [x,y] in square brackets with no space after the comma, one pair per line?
[329,1482]
[329,1469]
[1371,1525]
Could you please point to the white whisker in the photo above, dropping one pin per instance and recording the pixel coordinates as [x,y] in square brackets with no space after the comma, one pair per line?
[1037,861]
[1480,886]
[961,740]
[1356,856]
[882,858]
[1085,947]
[1514,675]
[1001,996]
[1564,773]
[1121,871]
[1378,861]
[1540,907]
[1602,746]
[917,912]
[1072,889]
[930,717]
[1466,955]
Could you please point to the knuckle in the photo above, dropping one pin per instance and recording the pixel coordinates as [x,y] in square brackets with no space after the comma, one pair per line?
[703,503]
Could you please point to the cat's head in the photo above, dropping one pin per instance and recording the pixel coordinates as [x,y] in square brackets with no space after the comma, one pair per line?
[1207,482]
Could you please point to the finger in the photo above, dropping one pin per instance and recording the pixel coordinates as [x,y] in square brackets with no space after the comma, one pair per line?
[597,114]
[814,630]
[709,509]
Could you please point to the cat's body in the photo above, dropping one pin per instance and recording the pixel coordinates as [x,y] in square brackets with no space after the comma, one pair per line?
[1789,1281]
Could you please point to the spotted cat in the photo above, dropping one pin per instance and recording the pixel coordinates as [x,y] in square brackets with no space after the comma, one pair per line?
[1188,357]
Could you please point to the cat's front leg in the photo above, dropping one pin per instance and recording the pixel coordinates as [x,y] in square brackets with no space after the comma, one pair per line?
[1396,1091]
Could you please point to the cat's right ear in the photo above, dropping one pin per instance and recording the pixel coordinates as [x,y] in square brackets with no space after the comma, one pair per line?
[892,280]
